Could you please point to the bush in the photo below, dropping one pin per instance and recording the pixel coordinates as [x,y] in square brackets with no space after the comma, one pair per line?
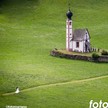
[104,52]
[95,56]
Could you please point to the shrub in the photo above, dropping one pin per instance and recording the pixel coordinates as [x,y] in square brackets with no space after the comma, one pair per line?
[95,56]
[104,52]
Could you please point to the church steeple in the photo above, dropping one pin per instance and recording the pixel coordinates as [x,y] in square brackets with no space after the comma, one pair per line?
[69,33]
[69,14]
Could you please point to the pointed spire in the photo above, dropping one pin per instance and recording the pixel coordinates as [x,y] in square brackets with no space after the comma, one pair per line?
[69,14]
[69,5]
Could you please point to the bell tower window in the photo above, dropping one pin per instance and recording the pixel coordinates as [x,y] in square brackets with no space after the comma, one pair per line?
[69,23]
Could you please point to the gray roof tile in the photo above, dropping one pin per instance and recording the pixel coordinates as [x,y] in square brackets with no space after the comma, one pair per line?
[78,34]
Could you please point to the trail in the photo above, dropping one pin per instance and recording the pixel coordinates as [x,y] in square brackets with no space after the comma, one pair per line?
[58,84]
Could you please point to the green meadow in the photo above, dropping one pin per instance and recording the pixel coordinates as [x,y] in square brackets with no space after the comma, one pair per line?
[29,30]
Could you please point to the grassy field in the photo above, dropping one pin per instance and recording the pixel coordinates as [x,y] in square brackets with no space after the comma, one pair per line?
[29,30]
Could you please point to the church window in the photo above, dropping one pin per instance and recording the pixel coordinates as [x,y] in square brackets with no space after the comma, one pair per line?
[77,44]
[69,23]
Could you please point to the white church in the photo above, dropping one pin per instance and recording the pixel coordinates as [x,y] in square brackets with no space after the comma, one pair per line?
[77,40]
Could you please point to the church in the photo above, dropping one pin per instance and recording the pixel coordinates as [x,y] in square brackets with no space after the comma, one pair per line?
[77,40]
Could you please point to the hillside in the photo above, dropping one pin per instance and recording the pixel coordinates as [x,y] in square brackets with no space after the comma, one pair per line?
[29,29]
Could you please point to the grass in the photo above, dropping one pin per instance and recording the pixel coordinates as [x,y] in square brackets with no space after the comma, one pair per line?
[74,95]
[28,31]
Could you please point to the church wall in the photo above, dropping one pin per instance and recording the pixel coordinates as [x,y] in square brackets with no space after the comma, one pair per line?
[78,49]
[86,36]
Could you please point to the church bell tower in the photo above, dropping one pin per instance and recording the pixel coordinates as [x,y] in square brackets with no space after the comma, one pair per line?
[69,33]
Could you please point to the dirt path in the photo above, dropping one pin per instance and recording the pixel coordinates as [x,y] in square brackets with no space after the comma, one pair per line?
[58,84]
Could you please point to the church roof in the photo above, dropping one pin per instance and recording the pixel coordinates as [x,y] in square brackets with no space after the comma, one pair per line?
[79,34]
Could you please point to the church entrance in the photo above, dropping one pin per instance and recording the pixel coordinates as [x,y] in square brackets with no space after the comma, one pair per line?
[85,48]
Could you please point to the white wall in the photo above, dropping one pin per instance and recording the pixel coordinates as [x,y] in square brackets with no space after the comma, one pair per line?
[68,35]
[80,49]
